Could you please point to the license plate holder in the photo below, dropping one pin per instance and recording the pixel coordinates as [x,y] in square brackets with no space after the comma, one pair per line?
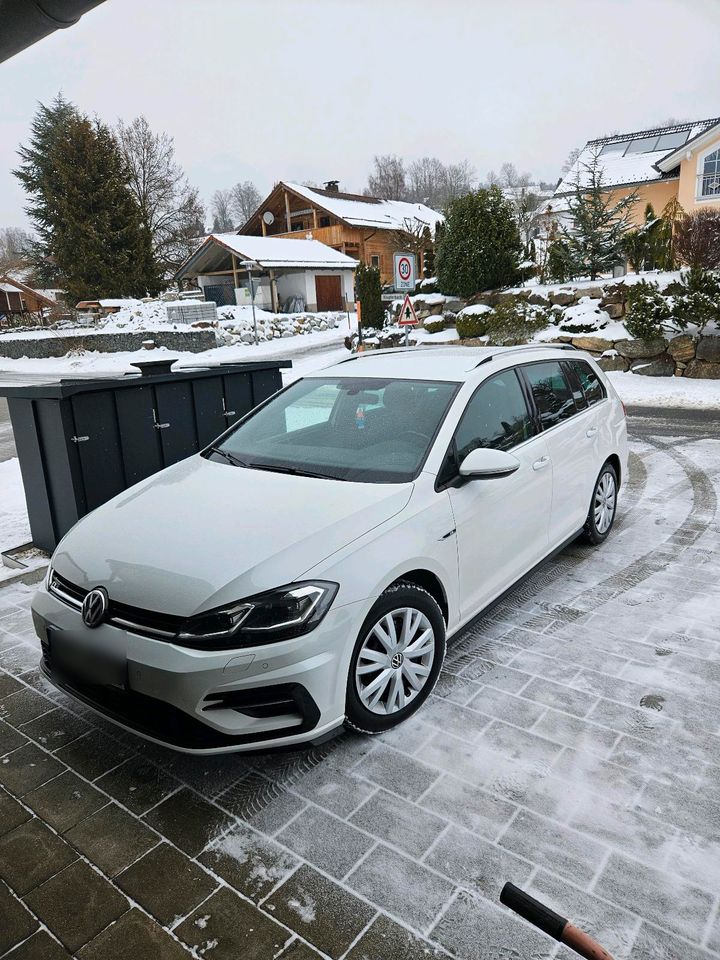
[88,659]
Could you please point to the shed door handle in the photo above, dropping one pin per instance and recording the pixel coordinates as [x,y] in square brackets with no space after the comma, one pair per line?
[79,439]
[228,413]
[541,463]
[161,426]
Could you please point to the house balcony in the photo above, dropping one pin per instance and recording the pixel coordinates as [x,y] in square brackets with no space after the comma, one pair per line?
[708,186]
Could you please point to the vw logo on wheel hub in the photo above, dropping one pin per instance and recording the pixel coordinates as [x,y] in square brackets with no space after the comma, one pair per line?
[94,607]
[397,661]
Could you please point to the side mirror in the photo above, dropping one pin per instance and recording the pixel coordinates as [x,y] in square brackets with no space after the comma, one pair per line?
[485,463]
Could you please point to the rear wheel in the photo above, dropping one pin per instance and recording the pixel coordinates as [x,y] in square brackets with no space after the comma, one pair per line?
[396,660]
[603,505]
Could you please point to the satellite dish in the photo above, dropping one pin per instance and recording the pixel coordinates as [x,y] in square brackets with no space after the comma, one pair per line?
[269,217]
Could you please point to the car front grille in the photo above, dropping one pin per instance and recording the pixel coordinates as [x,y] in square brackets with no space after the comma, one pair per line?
[145,623]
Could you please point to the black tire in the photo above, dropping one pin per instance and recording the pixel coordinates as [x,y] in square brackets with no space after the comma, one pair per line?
[592,534]
[357,716]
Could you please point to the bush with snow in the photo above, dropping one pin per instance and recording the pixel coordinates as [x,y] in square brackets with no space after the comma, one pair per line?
[688,305]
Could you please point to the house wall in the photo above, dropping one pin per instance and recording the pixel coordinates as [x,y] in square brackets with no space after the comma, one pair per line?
[303,284]
[657,193]
[690,169]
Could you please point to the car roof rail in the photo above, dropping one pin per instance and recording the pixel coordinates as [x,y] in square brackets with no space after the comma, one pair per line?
[526,346]
[386,350]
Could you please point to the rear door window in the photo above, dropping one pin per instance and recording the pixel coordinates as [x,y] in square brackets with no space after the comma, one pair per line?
[551,392]
[576,387]
[591,384]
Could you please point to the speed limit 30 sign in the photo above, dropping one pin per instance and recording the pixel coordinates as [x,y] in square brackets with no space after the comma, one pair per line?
[404,271]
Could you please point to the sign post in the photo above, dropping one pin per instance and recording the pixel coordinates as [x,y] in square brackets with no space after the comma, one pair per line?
[407,317]
[404,272]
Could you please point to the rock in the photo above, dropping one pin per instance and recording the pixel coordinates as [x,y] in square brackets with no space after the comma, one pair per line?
[436,309]
[708,349]
[662,366]
[614,363]
[635,349]
[538,300]
[247,337]
[613,310]
[682,347]
[593,344]
[703,370]
[562,298]
[454,304]
[595,293]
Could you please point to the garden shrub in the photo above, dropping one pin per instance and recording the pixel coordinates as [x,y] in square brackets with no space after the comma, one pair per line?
[696,301]
[648,311]
[435,326]
[472,323]
[515,321]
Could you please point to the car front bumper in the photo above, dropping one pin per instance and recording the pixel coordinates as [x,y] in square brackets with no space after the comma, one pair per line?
[197,701]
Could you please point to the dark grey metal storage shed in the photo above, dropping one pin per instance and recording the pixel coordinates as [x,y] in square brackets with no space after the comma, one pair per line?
[81,442]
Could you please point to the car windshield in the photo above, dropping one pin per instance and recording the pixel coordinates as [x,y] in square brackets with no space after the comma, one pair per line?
[376,431]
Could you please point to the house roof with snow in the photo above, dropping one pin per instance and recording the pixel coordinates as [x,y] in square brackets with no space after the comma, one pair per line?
[639,157]
[354,209]
[12,285]
[268,253]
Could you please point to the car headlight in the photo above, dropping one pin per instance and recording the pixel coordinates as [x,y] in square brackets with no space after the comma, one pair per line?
[265,618]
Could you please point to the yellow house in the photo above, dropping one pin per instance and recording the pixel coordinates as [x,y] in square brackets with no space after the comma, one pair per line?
[680,161]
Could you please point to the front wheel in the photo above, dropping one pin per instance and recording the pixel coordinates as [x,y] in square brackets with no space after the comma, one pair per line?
[603,505]
[397,659]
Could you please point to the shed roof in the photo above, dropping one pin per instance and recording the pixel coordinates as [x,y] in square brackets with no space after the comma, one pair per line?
[266,252]
[10,285]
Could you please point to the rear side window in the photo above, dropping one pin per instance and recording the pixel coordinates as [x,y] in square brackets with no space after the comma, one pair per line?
[551,392]
[497,416]
[591,384]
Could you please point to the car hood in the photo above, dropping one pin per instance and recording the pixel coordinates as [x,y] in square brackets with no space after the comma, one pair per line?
[201,533]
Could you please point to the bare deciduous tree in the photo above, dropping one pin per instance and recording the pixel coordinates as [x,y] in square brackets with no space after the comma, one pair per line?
[170,208]
[246,199]
[14,243]
[459,180]
[696,242]
[388,178]
[221,207]
[434,183]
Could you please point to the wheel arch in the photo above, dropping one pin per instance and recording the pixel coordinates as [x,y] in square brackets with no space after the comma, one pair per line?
[614,461]
[427,580]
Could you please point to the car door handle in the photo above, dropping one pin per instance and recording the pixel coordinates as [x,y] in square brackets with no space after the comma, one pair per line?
[591,432]
[542,462]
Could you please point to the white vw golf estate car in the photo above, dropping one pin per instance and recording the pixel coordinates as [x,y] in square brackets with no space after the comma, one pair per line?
[304,571]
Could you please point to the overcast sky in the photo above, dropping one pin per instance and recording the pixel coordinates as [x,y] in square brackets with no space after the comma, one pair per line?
[311,89]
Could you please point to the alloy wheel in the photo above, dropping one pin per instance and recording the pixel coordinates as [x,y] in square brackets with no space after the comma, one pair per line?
[604,505]
[395,660]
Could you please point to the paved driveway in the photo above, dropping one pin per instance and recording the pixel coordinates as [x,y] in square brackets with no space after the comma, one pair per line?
[573,746]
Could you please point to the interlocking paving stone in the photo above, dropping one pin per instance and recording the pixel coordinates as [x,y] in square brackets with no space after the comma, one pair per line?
[133,937]
[463,723]
[338,792]
[654,944]
[10,738]
[668,901]
[54,729]
[93,754]
[248,861]
[112,839]
[473,862]
[401,886]
[387,940]
[226,927]
[544,841]
[714,941]
[397,772]
[517,743]
[401,824]
[138,785]
[682,808]
[12,813]
[26,768]
[40,946]
[8,685]
[65,801]
[166,883]
[501,705]
[475,929]
[469,806]
[189,821]
[31,854]
[17,921]
[628,830]
[297,950]
[559,696]
[24,705]
[261,803]
[325,841]
[576,732]
[76,904]
[322,912]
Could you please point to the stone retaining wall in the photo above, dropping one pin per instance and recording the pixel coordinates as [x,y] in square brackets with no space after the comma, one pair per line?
[193,341]
[682,356]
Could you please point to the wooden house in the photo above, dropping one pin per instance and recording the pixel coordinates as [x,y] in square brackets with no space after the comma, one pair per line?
[364,228]
[19,302]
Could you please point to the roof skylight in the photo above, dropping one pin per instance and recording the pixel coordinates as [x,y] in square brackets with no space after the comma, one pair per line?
[652,144]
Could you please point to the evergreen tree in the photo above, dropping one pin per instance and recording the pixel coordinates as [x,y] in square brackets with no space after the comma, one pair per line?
[479,246]
[91,240]
[369,293]
[594,237]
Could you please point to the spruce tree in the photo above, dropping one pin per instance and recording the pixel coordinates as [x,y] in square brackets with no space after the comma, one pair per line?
[91,236]
[369,293]
[598,223]
[479,246]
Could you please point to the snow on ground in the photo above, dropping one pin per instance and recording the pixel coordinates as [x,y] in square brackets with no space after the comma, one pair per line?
[14,525]
[442,336]
[637,390]
[661,277]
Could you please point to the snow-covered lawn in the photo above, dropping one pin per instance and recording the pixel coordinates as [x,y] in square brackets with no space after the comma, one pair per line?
[637,390]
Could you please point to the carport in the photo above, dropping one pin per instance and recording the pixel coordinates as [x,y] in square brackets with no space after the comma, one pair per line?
[287,274]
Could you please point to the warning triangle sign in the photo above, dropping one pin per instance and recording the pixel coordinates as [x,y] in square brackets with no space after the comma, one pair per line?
[408,317]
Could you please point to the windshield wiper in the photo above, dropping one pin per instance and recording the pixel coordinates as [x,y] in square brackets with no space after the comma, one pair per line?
[294,471]
[235,461]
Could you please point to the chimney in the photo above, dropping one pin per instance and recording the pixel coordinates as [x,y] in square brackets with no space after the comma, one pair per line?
[332,186]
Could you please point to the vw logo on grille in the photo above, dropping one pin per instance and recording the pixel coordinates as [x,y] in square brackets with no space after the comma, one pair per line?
[95,607]
[397,661]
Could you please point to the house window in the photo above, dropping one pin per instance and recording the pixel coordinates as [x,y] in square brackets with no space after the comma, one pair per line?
[324,221]
[709,185]
[375,261]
